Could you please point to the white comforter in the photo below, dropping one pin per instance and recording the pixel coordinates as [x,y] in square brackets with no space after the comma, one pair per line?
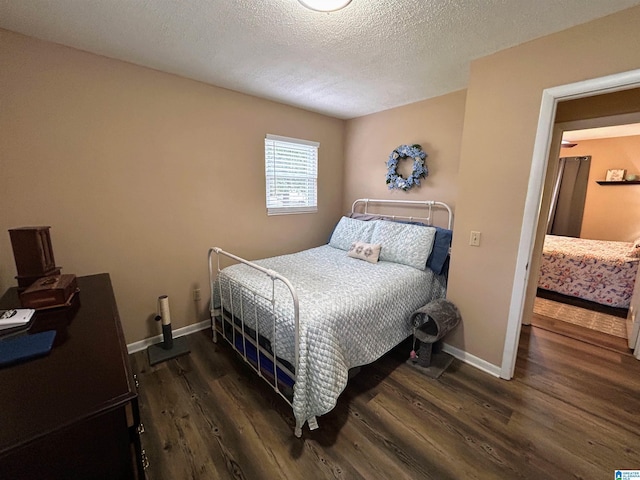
[351,313]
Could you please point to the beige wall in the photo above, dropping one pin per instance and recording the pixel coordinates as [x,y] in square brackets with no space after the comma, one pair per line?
[603,105]
[139,172]
[610,212]
[501,115]
[435,124]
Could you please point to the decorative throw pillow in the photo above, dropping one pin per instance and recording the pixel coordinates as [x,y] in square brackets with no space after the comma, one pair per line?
[404,243]
[635,249]
[365,251]
[350,230]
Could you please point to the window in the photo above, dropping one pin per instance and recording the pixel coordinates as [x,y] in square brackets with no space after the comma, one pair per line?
[291,168]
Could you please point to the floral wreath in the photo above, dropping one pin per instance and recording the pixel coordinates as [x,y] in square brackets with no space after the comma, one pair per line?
[394,180]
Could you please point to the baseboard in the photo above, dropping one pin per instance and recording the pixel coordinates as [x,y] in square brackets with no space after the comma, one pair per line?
[142,344]
[196,327]
[472,360]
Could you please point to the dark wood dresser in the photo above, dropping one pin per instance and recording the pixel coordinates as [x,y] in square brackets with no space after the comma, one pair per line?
[72,414]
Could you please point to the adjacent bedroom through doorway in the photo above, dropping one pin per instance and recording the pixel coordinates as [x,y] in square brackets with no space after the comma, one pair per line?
[587,271]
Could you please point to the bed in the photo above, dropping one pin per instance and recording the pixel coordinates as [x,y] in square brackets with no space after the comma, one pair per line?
[304,320]
[595,270]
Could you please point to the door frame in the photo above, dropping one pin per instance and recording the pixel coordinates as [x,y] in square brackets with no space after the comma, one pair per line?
[531,217]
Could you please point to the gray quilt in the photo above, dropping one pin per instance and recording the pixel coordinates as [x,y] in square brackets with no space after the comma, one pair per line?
[351,313]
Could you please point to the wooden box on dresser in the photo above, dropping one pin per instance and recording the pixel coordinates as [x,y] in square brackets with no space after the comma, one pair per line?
[73,413]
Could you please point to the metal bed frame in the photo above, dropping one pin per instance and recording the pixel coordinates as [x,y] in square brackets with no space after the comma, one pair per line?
[232,326]
[428,204]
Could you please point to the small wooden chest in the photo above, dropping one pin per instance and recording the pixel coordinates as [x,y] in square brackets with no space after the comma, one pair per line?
[51,291]
[32,251]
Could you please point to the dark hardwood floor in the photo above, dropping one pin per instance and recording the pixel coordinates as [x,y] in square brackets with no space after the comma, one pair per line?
[572,411]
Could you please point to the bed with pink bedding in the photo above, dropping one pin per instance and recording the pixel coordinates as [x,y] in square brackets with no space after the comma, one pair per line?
[595,270]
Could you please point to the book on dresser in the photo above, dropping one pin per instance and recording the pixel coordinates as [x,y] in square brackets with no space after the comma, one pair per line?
[15,320]
[15,317]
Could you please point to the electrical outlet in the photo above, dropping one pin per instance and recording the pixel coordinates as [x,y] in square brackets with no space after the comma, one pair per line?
[196,295]
[474,240]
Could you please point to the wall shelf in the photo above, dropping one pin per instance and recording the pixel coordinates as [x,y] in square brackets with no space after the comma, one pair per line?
[620,182]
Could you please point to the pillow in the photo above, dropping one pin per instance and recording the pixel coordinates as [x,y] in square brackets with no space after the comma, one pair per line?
[635,249]
[365,216]
[438,259]
[440,252]
[349,230]
[365,251]
[404,243]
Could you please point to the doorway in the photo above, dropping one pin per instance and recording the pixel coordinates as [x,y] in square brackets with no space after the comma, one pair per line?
[547,145]
[584,293]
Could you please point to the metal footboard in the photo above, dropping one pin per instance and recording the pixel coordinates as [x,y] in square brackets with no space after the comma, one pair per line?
[232,320]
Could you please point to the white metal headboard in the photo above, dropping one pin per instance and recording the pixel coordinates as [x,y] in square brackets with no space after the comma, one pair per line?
[427,204]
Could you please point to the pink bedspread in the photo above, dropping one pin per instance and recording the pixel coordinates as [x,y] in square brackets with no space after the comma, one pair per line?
[595,270]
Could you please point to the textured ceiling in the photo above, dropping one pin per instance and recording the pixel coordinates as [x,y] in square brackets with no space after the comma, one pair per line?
[371,56]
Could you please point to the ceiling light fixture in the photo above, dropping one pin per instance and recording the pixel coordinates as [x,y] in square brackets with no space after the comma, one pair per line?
[568,144]
[325,5]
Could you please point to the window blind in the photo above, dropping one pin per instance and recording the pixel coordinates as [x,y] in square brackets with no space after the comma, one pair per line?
[291,170]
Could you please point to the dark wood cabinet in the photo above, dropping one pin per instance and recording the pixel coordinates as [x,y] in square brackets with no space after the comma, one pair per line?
[73,413]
